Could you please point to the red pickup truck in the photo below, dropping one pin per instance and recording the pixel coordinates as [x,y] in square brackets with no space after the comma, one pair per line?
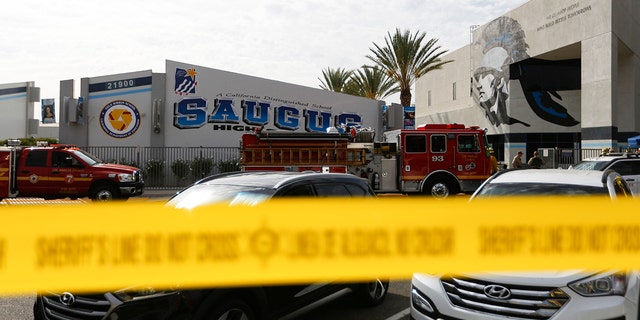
[61,171]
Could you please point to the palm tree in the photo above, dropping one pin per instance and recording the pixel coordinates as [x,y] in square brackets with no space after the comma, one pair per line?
[405,59]
[335,79]
[371,82]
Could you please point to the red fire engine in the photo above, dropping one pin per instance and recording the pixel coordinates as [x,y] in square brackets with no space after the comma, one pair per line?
[61,171]
[435,159]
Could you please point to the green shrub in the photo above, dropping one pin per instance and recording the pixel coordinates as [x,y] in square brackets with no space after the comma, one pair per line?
[154,168]
[180,168]
[228,166]
[201,167]
[30,141]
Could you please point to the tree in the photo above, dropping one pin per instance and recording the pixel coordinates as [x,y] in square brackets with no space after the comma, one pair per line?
[335,79]
[371,82]
[406,58]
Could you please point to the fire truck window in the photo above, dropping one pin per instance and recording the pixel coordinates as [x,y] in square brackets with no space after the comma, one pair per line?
[415,143]
[37,158]
[438,143]
[468,143]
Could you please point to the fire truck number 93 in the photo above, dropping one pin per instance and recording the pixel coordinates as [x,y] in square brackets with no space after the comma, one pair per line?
[437,158]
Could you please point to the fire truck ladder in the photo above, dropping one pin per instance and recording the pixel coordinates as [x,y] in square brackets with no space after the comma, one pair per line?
[304,156]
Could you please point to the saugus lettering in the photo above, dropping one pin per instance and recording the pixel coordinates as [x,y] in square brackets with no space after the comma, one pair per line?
[191,113]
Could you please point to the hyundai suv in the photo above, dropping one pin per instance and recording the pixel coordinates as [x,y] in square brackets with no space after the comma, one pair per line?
[246,303]
[566,294]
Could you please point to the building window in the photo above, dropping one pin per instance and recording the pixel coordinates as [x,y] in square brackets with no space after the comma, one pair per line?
[429,98]
[454,91]
[471,87]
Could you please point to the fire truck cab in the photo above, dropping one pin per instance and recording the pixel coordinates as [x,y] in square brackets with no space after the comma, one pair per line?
[435,159]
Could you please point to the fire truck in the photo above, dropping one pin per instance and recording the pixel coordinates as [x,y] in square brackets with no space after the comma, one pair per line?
[61,171]
[434,159]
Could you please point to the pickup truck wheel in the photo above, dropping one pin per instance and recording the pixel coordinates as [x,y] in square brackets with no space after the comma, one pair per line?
[103,192]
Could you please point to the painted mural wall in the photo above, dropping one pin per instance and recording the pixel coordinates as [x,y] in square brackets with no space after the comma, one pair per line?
[512,89]
[519,93]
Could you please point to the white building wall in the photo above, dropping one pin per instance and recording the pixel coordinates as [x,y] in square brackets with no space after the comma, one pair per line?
[17,108]
[118,110]
[439,84]
[198,112]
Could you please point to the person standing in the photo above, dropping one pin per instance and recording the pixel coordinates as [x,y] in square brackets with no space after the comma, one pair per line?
[494,161]
[535,161]
[517,161]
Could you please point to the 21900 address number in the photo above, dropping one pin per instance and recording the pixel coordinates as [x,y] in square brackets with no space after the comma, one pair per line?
[112,85]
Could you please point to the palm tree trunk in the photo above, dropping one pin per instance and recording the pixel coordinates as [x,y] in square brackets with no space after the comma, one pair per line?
[405,97]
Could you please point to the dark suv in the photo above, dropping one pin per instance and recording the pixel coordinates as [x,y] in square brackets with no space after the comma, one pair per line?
[267,302]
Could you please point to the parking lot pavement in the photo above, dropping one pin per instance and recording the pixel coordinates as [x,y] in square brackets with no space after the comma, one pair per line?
[148,195]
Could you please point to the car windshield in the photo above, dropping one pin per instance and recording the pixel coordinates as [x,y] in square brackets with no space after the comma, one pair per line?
[535,189]
[87,157]
[206,194]
[590,165]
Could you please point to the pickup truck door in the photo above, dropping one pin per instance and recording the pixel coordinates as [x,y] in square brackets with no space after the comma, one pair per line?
[33,174]
[68,174]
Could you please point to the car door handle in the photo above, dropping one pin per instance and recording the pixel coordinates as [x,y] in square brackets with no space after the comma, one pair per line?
[630,179]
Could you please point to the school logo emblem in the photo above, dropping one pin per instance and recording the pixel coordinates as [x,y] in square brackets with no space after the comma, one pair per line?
[185,81]
[120,119]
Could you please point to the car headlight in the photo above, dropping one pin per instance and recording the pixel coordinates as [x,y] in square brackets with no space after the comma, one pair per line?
[125,177]
[610,285]
[421,303]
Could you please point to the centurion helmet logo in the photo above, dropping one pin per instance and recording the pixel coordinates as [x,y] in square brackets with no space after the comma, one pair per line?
[120,119]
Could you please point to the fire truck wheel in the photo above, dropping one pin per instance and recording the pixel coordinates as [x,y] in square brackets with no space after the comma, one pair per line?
[103,192]
[439,189]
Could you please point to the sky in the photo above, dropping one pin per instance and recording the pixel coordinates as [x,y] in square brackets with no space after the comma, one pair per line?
[47,41]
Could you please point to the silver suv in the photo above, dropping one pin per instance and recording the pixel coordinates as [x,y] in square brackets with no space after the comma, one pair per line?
[626,164]
[551,295]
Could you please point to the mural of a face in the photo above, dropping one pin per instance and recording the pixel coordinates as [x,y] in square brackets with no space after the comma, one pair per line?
[486,89]
[503,43]
[491,81]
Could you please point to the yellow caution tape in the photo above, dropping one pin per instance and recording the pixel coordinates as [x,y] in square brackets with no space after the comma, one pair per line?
[100,247]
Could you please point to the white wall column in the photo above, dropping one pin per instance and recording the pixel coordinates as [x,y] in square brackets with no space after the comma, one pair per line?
[599,91]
